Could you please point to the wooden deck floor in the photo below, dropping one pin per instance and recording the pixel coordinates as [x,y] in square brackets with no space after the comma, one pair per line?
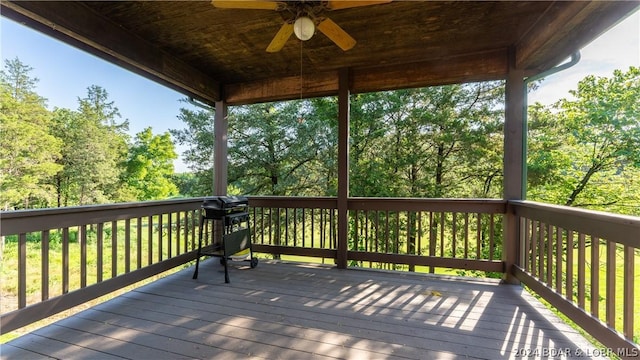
[294,311]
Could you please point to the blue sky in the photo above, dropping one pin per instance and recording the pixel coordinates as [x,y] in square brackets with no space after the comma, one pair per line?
[65,73]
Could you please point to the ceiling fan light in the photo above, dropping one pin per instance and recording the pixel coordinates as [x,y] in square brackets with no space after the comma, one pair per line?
[304,28]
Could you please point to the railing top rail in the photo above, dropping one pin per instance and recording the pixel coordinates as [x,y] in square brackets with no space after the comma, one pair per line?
[489,206]
[322,202]
[24,221]
[623,229]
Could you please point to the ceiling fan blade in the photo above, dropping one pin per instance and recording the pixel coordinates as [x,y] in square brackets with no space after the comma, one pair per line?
[281,38]
[336,34]
[245,4]
[346,4]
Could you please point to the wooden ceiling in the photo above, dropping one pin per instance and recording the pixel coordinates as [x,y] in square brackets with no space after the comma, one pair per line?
[219,54]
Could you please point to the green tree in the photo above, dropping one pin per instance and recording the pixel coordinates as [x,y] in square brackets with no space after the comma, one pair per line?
[274,148]
[585,151]
[187,184]
[603,122]
[29,152]
[149,166]
[440,141]
[198,136]
[94,151]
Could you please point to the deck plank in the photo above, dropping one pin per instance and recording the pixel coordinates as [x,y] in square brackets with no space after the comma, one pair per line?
[293,311]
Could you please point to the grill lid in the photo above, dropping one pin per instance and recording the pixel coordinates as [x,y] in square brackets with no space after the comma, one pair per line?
[225,202]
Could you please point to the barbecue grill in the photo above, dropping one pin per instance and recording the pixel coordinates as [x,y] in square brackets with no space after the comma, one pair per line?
[231,213]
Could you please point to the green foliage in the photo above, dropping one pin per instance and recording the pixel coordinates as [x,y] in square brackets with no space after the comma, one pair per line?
[29,151]
[443,141]
[187,184]
[149,166]
[432,142]
[197,133]
[586,151]
[275,148]
[94,149]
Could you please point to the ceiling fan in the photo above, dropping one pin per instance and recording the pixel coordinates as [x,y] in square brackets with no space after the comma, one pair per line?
[302,18]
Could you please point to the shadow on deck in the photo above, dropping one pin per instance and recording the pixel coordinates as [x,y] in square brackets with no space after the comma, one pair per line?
[303,311]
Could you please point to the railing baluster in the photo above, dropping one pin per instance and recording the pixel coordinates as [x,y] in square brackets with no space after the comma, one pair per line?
[286,226]
[22,270]
[127,245]
[139,243]
[526,255]
[195,218]
[44,251]
[611,284]
[356,229]
[160,238]
[558,257]
[149,240]
[83,256]
[492,241]
[454,230]
[569,269]
[479,237]
[366,230]
[377,233]
[410,241]
[629,274]
[466,235]
[334,227]
[442,222]
[270,218]
[169,236]
[313,231]
[295,227]
[433,231]
[114,249]
[99,248]
[419,251]
[581,270]
[595,276]
[185,226]
[541,249]
[178,224]
[304,227]
[65,260]
[534,251]
[386,232]
[549,255]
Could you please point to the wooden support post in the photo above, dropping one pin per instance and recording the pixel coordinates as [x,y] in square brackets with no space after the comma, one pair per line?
[220,149]
[513,162]
[343,168]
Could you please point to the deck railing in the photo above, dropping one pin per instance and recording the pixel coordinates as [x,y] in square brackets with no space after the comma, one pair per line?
[582,262]
[98,249]
[388,233]
[437,233]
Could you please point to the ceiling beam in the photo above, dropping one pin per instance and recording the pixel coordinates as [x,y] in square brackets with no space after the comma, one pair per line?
[485,66]
[277,89]
[74,23]
[565,28]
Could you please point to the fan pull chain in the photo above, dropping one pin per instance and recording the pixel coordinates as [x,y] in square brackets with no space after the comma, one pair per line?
[300,117]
